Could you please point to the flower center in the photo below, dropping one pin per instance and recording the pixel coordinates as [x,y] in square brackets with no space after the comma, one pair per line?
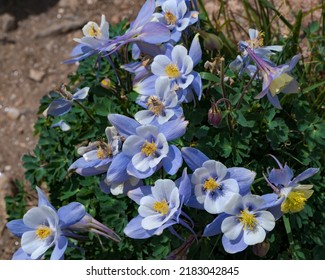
[149,148]
[43,232]
[155,105]
[161,207]
[257,42]
[248,220]
[172,71]
[211,184]
[295,202]
[104,151]
[279,83]
[170,18]
[94,31]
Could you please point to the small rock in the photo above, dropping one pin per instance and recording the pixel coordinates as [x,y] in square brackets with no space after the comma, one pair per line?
[8,167]
[12,113]
[8,23]
[4,181]
[36,75]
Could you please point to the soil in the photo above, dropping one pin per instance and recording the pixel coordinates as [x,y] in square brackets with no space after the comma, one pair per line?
[36,37]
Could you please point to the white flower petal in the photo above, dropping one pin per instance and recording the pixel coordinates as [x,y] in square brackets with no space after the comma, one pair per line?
[152,222]
[252,237]
[266,220]
[231,227]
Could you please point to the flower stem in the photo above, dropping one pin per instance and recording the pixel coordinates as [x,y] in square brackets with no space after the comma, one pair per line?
[245,90]
[85,109]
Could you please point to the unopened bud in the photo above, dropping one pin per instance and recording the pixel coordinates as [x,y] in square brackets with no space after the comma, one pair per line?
[211,41]
[106,83]
[214,115]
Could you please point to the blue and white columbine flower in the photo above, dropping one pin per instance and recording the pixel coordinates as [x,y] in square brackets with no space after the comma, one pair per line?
[145,149]
[177,65]
[213,183]
[43,227]
[176,17]
[141,30]
[97,156]
[160,207]
[244,223]
[62,106]
[162,105]
[292,196]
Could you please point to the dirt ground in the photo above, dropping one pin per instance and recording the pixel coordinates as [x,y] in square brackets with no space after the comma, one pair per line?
[35,37]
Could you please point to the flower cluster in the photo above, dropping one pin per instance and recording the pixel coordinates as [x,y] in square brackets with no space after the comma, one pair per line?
[139,150]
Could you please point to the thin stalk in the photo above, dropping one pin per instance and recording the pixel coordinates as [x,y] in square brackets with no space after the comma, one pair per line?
[223,89]
[205,13]
[85,109]
[287,226]
[245,90]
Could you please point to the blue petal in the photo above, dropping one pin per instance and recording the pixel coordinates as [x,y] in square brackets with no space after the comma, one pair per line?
[144,14]
[59,249]
[124,125]
[234,246]
[193,157]
[243,176]
[136,231]
[62,124]
[17,227]
[197,84]
[117,170]
[59,107]
[154,33]
[173,161]
[138,193]
[185,186]
[195,51]
[304,175]
[42,199]
[81,94]
[281,176]
[214,227]
[131,170]
[174,129]
[71,214]
[274,100]
[20,255]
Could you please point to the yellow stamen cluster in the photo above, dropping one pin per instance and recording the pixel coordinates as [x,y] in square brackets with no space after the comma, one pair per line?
[170,18]
[161,207]
[294,202]
[279,83]
[257,42]
[94,31]
[172,71]
[43,232]
[248,220]
[104,151]
[155,105]
[211,184]
[149,148]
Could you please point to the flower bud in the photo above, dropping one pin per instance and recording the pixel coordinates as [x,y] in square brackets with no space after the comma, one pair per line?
[214,115]
[261,249]
[106,83]
[211,41]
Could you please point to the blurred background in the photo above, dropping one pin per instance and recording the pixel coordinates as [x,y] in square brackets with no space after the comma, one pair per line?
[37,35]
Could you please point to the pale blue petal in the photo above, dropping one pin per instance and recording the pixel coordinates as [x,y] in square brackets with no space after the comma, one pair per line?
[159,64]
[304,175]
[81,94]
[193,157]
[231,227]
[144,116]
[34,246]
[138,193]
[132,145]
[244,178]
[71,214]
[154,33]
[20,255]
[185,186]
[17,227]
[141,162]
[214,227]
[40,215]
[144,14]
[234,246]
[173,161]
[117,170]
[174,129]
[200,175]
[42,199]
[138,174]
[266,220]
[59,107]
[59,249]
[152,222]
[162,189]
[135,230]
[216,169]
[124,125]
[195,51]
[253,202]
[178,54]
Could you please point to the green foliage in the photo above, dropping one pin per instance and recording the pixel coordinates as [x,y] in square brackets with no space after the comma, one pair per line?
[250,130]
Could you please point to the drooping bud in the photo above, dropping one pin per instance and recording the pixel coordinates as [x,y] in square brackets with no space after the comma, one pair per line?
[214,115]
[106,83]
[181,252]
[211,41]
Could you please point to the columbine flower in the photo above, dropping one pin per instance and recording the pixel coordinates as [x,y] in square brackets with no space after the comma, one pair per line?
[97,156]
[145,149]
[162,106]
[176,16]
[160,207]
[63,105]
[43,227]
[177,65]
[62,125]
[215,184]
[117,188]
[244,223]
[292,195]
[141,30]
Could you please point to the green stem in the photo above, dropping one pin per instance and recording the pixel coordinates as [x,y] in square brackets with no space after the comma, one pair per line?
[287,226]
[205,13]
[85,109]
[245,90]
